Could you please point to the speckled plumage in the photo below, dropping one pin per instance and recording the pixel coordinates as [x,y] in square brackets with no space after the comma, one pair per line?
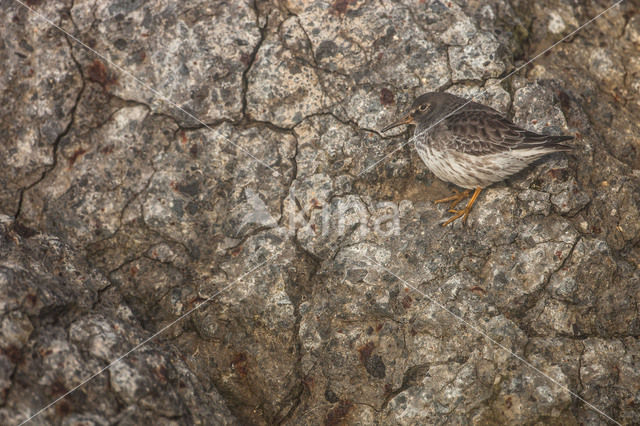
[472,145]
[475,146]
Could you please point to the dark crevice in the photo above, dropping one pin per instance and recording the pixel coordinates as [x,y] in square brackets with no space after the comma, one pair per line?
[410,378]
[252,58]
[533,298]
[56,143]
[299,290]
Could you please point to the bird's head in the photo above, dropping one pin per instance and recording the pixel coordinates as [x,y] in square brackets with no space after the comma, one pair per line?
[421,108]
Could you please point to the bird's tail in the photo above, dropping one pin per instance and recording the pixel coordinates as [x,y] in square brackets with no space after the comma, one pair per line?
[545,142]
[555,143]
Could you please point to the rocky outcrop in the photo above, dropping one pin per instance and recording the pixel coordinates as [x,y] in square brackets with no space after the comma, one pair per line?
[229,153]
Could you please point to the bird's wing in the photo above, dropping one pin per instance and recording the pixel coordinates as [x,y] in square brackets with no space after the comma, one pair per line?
[484,131]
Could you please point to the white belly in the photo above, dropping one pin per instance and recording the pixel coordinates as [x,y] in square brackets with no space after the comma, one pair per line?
[472,171]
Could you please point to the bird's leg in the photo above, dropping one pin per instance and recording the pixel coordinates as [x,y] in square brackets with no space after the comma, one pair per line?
[464,213]
[455,198]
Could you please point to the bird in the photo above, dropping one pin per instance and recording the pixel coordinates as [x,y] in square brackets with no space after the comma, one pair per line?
[471,145]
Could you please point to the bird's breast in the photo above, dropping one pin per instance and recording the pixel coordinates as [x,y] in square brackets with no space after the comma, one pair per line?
[467,170]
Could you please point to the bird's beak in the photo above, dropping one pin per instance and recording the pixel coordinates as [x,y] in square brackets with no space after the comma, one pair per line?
[407,119]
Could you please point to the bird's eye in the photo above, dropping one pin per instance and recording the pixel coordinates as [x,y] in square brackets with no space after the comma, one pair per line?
[423,107]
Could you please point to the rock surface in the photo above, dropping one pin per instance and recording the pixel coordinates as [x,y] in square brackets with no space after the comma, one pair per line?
[226,157]
[63,322]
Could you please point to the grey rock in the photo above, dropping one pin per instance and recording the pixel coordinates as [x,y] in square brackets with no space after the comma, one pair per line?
[96,181]
[57,332]
[288,89]
[183,54]
[537,202]
[39,86]
[301,245]
[492,94]
[481,59]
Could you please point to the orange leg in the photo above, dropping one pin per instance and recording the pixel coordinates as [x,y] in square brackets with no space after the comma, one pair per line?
[464,213]
[455,198]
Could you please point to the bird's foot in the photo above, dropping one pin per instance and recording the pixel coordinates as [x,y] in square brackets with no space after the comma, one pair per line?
[455,198]
[457,214]
[462,213]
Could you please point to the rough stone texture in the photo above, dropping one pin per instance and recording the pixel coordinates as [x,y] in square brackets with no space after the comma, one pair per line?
[193,55]
[333,295]
[42,82]
[62,322]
